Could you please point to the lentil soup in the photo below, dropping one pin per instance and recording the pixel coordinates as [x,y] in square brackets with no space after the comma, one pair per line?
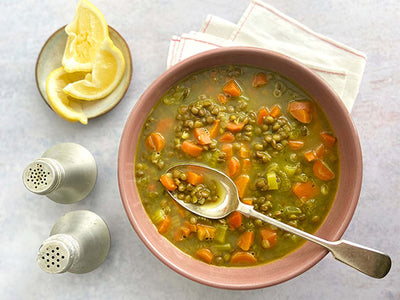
[261,130]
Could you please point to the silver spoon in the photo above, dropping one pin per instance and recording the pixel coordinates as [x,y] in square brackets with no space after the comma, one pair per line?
[366,260]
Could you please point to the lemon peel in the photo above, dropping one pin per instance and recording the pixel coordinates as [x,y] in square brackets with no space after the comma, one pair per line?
[65,106]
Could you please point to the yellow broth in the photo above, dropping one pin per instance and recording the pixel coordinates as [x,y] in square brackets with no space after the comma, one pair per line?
[282,183]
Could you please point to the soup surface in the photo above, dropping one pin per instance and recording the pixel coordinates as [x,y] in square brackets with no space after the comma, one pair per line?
[261,130]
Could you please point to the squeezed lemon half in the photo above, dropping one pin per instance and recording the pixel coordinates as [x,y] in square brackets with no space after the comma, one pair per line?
[86,34]
[64,105]
[107,72]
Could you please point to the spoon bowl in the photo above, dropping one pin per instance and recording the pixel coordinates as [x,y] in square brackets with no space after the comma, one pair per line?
[226,187]
[366,260]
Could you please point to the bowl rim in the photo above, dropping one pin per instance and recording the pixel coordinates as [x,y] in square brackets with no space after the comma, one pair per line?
[217,276]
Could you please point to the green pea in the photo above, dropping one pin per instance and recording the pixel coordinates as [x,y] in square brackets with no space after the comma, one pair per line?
[276,126]
[195,110]
[258,146]
[269,120]
[215,110]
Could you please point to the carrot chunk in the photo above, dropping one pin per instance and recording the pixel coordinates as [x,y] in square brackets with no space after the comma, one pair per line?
[310,155]
[244,151]
[322,171]
[241,184]
[268,237]
[165,125]
[194,178]
[204,255]
[320,151]
[301,111]
[260,79]
[155,141]
[305,190]
[234,127]
[295,144]
[181,233]
[263,113]
[248,201]
[328,138]
[205,232]
[222,99]
[233,167]
[168,182]
[235,220]
[192,227]
[245,240]
[191,148]
[227,149]
[214,129]
[246,164]
[202,136]
[232,89]
[243,258]
[275,111]
[164,225]
[227,137]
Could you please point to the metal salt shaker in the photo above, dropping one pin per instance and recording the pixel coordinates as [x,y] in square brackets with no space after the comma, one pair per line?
[79,243]
[66,173]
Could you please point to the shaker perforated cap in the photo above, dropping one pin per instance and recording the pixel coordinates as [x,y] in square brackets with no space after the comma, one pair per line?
[42,176]
[66,173]
[79,242]
[57,254]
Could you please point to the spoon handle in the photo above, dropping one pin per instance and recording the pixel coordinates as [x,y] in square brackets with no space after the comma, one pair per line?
[366,260]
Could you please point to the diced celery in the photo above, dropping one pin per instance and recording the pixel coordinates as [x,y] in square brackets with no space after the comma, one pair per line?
[272,180]
[213,159]
[220,233]
[185,135]
[221,247]
[244,98]
[292,210]
[286,185]
[176,95]
[310,206]
[324,189]
[290,170]
[301,177]
[155,157]
[158,216]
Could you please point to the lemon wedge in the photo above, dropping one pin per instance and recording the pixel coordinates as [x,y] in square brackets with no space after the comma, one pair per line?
[64,105]
[86,34]
[107,72]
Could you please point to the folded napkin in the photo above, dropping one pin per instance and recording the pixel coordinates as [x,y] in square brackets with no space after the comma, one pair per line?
[265,27]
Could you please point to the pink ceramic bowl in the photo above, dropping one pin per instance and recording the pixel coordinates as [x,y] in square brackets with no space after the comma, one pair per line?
[292,264]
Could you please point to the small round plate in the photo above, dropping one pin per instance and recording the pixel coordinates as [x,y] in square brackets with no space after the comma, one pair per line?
[50,58]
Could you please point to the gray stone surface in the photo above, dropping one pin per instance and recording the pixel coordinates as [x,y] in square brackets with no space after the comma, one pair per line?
[28,127]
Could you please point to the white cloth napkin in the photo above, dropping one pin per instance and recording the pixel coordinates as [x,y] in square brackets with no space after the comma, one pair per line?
[265,27]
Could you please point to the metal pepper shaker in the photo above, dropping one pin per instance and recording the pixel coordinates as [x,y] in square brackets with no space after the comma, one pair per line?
[66,173]
[79,242]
